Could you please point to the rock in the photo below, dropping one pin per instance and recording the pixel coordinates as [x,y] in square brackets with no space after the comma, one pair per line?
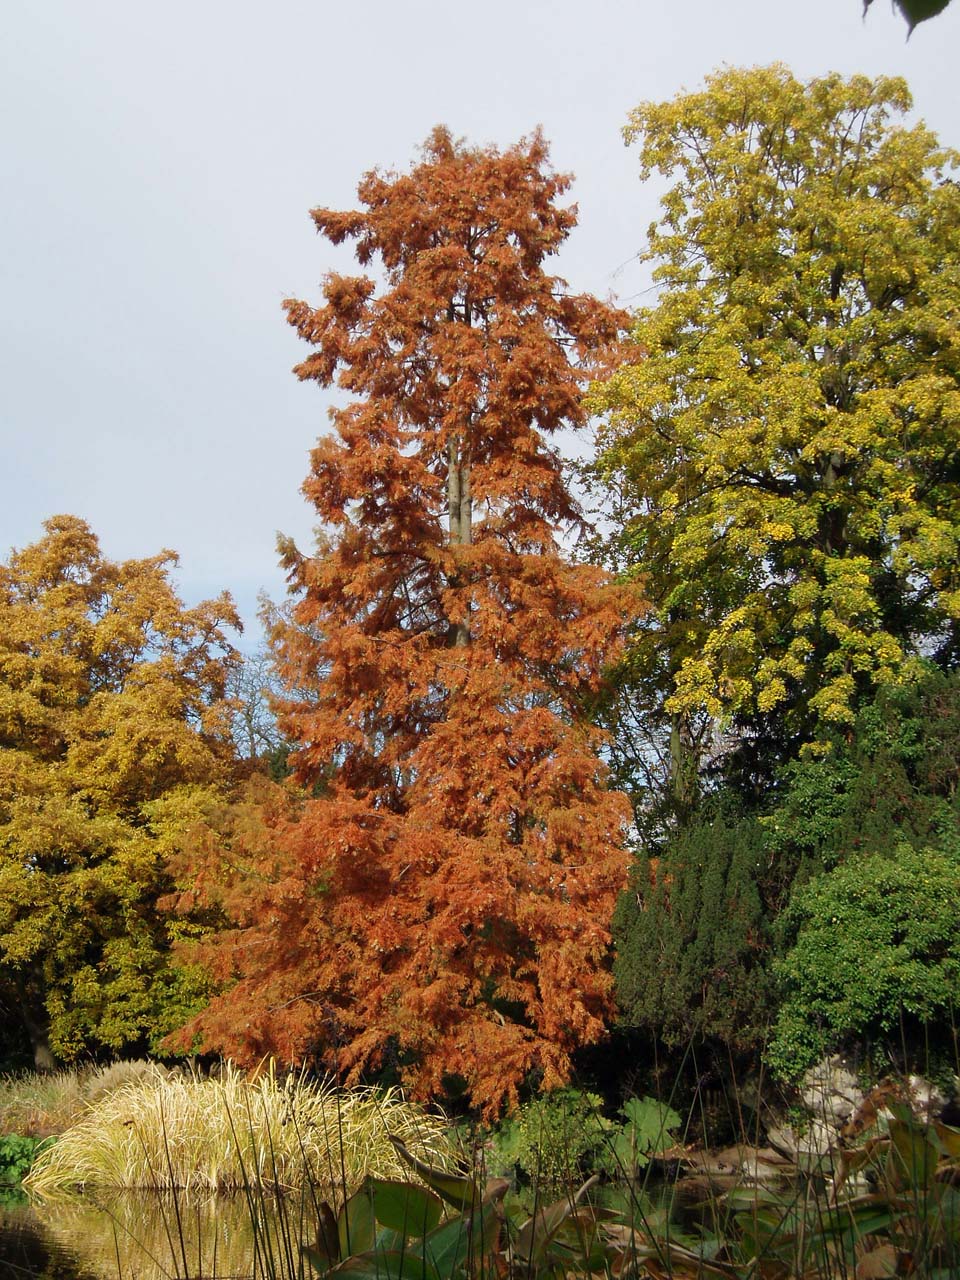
[805,1147]
[763,1164]
[739,1165]
[926,1099]
[831,1092]
[709,1164]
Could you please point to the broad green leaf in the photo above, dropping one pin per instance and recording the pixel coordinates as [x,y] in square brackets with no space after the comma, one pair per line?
[579,1244]
[916,11]
[356,1225]
[465,1238]
[405,1207]
[916,1152]
[865,1216]
[649,1121]
[326,1252]
[378,1264]
[461,1192]
[949,1139]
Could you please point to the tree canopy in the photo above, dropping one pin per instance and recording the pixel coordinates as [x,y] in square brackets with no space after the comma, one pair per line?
[786,450]
[781,464]
[111,724]
[743,905]
[418,870]
[442,900]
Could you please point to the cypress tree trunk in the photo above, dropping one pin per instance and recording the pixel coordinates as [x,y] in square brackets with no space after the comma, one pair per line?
[460,508]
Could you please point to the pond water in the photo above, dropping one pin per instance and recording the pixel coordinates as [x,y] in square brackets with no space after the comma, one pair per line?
[148,1237]
[153,1237]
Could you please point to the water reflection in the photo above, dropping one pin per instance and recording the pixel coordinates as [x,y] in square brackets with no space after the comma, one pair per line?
[27,1251]
[148,1237]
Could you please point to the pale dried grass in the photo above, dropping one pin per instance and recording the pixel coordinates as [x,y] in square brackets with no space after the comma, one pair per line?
[179,1132]
[42,1105]
[36,1106]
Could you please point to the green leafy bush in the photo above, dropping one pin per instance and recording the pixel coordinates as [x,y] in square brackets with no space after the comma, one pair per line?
[564,1136]
[16,1156]
[554,1139]
[895,781]
[645,1133]
[447,1226]
[874,939]
[391,1230]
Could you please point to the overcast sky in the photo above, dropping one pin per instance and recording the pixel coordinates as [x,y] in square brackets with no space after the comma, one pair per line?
[158,165]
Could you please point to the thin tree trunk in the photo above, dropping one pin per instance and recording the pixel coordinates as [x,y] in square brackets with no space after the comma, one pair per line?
[38,1028]
[466,503]
[683,768]
[453,491]
[460,515]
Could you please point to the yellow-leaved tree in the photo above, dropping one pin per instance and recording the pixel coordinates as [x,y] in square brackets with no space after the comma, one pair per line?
[787,449]
[113,731]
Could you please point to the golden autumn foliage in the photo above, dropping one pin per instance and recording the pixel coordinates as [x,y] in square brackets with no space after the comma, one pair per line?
[111,726]
[440,899]
[786,451]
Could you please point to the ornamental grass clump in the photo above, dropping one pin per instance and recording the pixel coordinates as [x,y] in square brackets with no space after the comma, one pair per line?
[37,1105]
[194,1134]
[40,1104]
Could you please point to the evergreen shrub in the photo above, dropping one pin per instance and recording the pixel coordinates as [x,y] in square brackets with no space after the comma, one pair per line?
[692,938]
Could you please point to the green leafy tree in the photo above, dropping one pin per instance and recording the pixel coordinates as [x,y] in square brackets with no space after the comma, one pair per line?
[870,836]
[786,453]
[892,781]
[875,940]
[712,906]
[113,730]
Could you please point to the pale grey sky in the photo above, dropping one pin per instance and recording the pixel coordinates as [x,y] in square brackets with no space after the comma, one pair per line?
[157,166]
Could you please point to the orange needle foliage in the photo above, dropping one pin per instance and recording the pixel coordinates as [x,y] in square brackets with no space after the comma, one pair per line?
[442,900]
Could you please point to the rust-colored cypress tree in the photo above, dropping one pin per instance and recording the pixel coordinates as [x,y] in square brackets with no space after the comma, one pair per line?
[444,897]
